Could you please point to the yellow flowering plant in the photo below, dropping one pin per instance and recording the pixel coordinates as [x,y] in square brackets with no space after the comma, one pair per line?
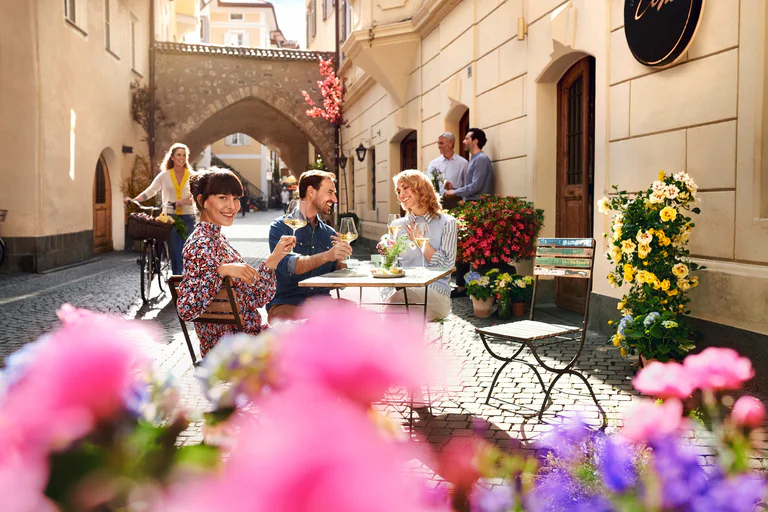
[648,249]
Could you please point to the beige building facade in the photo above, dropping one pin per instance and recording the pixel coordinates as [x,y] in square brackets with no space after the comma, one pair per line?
[415,69]
[66,128]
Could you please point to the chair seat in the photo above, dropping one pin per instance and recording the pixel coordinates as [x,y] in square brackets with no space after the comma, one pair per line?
[528,330]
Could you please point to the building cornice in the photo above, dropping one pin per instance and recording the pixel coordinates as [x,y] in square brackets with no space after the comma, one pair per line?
[386,53]
[431,14]
[358,89]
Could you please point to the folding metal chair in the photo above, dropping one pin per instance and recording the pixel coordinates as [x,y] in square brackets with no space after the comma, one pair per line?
[222,310]
[563,258]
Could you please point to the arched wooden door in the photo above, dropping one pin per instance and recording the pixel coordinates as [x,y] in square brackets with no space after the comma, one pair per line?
[409,154]
[102,209]
[575,169]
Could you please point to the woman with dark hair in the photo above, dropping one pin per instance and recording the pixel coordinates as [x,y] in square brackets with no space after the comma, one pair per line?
[418,198]
[173,182]
[209,258]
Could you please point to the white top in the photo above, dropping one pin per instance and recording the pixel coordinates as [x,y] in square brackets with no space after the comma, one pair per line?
[453,170]
[285,196]
[163,182]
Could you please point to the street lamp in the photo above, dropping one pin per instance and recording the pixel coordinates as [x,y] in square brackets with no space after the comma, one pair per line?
[361,150]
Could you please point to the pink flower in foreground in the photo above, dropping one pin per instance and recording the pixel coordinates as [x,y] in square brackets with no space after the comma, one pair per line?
[23,478]
[353,353]
[647,420]
[309,452]
[718,368]
[664,380]
[80,377]
[748,412]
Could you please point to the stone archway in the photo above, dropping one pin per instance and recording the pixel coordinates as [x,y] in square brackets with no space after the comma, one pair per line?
[207,92]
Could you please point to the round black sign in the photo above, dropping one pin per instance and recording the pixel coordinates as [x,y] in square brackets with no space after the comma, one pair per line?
[660,31]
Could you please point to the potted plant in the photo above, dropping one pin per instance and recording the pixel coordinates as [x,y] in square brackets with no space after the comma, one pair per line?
[497,230]
[481,289]
[390,248]
[648,250]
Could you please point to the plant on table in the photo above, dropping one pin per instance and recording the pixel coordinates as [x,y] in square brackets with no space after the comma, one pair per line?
[648,249]
[495,230]
[390,248]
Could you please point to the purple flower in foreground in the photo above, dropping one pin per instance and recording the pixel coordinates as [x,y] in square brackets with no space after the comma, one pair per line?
[558,491]
[682,477]
[493,499]
[566,439]
[616,461]
[737,494]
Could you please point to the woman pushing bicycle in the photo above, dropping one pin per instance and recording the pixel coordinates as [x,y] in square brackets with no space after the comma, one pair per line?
[173,182]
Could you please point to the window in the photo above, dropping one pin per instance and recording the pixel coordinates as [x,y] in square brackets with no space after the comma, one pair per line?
[328,6]
[236,16]
[372,175]
[346,21]
[235,38]
[237,139]
[107,29]
[70,10]
[133,42]
[205,29]
[311,20]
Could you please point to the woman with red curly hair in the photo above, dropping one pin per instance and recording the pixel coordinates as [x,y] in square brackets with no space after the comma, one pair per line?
[418,198]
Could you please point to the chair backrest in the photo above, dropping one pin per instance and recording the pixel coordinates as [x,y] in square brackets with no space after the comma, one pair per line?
[565,257]
[222,309]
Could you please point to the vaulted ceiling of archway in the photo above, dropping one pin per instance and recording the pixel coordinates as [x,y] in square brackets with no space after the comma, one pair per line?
[257,120]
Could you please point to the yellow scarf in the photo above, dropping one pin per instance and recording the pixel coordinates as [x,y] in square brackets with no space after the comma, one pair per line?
[179,187]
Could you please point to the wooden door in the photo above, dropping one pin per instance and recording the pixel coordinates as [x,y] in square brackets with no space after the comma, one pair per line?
[102,209]
[575,169]
[463,129]
[408,155]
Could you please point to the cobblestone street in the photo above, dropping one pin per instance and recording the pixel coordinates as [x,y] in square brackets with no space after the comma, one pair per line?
[28,303]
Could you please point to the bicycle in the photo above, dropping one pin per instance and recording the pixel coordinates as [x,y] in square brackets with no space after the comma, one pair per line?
[3,213]
[154,258]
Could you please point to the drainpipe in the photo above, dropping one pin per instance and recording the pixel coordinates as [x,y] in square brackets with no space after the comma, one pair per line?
[336,127]
[152,84]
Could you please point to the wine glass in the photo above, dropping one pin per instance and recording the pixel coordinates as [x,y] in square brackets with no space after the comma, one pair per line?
[347,230]
[294,218]
[394,229]
[421,238]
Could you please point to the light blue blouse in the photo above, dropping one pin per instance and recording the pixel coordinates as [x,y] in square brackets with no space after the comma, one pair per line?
[442,237]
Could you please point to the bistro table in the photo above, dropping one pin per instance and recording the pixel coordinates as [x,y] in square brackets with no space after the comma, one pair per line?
[361,277]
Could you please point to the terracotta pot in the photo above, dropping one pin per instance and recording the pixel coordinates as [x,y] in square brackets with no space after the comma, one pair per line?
[518,308]
[482,307]
[644,362]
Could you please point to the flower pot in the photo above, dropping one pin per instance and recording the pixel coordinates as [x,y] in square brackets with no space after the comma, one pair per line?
[518,308]
[505,309]
[482,307]
[644,362]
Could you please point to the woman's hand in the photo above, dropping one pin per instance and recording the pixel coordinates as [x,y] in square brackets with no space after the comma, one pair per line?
[242,271]
[409,227]
[283,247]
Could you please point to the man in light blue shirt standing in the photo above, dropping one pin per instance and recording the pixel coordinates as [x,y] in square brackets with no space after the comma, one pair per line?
[477,182]
[453,167]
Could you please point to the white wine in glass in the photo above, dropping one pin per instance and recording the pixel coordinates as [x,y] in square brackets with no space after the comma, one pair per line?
[421,238]
[394,229]
[347,229]
[294,218]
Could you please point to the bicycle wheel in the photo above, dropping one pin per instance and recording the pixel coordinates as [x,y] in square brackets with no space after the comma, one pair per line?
[163,267]
[147,269]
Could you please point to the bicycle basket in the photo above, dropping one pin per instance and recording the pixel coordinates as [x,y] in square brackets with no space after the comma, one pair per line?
[140,228]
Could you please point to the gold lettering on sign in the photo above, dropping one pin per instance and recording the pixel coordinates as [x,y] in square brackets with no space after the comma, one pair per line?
[650,4]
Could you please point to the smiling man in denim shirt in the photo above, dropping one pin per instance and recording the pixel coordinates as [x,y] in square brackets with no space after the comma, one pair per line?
[318,250]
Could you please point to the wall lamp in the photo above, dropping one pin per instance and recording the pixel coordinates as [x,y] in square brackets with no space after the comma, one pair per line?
[361,150]
[343,160]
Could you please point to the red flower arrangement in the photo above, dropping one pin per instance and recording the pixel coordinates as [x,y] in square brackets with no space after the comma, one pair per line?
[332,89]
[497,230]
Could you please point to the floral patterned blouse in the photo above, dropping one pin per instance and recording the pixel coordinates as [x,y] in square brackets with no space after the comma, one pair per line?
[205,251]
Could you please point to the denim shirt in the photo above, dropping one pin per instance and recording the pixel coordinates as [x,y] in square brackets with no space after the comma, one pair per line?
[309,241]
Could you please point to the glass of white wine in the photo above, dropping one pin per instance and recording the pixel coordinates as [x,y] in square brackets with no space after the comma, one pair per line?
[421,238]
[294,218]
[392,226]
[347,230]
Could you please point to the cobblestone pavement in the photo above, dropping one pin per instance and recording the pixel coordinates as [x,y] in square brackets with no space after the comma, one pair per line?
[111,284]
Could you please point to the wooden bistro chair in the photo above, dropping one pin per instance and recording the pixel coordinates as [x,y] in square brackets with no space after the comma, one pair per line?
[564,258]
[222,310]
